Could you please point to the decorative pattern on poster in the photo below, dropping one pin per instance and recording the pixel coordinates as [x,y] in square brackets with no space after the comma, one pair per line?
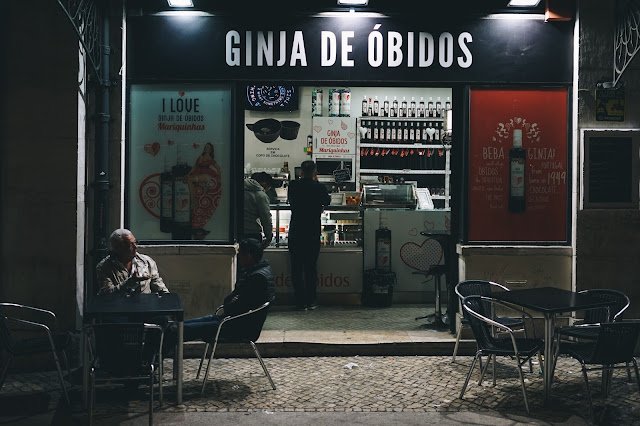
[518,172]
[179,151]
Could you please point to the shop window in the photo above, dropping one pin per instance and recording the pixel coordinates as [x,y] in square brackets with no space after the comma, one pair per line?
[611,169]
[178,162]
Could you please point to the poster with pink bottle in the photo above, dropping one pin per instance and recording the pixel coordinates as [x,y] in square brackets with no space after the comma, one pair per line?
[179,156]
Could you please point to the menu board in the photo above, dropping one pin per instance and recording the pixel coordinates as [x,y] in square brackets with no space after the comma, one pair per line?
[518,166]
[609,170]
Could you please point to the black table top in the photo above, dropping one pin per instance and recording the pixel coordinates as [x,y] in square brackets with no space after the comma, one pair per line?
[120,304]
[550,299]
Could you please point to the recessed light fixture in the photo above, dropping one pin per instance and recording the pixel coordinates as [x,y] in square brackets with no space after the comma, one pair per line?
[353,2]
[180,3]
[523,3]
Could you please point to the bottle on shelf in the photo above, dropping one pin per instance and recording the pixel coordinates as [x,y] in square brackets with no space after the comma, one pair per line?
[412,132]
[394,135]
[405,132]
[376,107]
[376,132]
[370,108]
[418,133]
[431,107]
[369,131]
[425,133]
[438,108]
[387,136]
[436,133]
[365,106]
[447,104]
[517,161]
[403,108]
[385,107]
[412,108]
[421,110]
[394,108]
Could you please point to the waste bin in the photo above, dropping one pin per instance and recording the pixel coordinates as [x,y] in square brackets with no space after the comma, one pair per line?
[377,289]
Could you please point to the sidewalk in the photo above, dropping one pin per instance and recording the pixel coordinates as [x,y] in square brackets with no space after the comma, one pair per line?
[363,378]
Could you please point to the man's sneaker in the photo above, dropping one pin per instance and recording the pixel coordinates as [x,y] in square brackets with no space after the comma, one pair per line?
[312,306]
[301,308]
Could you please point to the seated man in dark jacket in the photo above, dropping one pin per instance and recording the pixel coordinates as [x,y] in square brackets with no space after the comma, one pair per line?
[254,287]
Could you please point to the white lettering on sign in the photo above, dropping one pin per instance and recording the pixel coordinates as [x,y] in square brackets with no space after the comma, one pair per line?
[395,48]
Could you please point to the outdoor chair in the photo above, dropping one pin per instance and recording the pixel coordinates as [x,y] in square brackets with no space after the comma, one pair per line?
[613,349]
[484,288]
[253,320]
[123,351]
[47,338]
[520,349]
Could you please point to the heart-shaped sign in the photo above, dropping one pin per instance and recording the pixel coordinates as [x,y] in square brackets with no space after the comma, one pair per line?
[317,129]
[330,121]
[152,148]
[181,93]
[413,232]
[428,225]
[196,145]
[421,257]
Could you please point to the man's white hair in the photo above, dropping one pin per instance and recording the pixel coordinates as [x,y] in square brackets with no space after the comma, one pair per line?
[117,236]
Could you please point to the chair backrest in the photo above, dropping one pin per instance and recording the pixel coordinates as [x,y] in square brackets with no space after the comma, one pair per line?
[620,302]
[120,348]
[478,288]
[616,343]
[247,326]
[474,307]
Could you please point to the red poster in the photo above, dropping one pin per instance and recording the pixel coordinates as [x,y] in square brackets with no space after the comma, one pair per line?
[518,172]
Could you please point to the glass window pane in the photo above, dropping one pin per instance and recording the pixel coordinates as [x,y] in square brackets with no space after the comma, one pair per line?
[179,161]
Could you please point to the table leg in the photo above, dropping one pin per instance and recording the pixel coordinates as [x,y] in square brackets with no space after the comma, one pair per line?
[178,362]
[549,330]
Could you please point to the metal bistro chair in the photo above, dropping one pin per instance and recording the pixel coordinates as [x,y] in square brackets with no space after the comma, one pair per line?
[521,349]
[52,341]
[615,344]
[484,288]
[254,319]
[121,351]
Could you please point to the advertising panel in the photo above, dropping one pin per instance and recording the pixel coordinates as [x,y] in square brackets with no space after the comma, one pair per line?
[518,165]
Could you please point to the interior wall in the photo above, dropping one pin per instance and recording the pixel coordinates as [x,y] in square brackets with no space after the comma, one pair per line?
[607,240]
[39,161]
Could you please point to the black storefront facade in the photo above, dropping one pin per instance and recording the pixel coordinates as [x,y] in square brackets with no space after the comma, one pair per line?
[507,76]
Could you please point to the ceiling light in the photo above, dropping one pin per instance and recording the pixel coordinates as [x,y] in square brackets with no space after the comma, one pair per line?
[523,3]
[353,2]
[180,3]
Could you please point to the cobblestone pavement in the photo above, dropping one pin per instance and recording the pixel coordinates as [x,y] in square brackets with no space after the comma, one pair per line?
[381,384]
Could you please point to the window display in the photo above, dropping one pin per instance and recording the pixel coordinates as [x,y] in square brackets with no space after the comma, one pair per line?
[179,161]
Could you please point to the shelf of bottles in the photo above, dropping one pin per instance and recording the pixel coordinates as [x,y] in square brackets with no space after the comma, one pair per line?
[404,142]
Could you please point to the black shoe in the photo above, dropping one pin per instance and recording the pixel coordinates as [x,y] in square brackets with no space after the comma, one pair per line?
[312,306]
[301,308]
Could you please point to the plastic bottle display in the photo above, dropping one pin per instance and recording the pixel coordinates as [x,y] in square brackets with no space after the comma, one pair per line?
[517,162]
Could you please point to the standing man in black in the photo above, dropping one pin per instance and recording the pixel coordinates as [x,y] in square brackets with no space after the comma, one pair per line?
[307,197]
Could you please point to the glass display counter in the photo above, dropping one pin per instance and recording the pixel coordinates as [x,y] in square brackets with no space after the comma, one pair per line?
[341,226]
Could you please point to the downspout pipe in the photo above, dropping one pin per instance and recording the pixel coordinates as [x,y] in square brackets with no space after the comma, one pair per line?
[101,184]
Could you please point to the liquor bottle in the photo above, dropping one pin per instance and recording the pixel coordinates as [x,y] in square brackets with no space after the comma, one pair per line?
[517,161]
[365,106]
[405,132]
[387,137]
[394,108]
[447,104]
[376,107]
[436,135]
[376,132]
[394,135]
[418,134]
[425,134]
[403,108]
[421,107]
[370,110]
[385,107]
[438,107]
[181,211]
[369,131]
[166,212]
[412,132]
[383,249]
[412,108]
[430,107]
